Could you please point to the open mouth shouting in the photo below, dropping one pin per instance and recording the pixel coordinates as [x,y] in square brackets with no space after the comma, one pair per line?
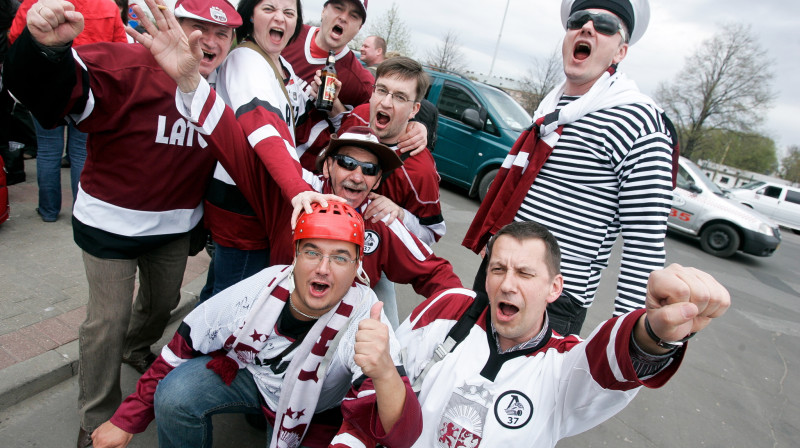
[506,311]
[319,288]
[382,120]
[208,56]
[582,51]
[337,31]
[276,35]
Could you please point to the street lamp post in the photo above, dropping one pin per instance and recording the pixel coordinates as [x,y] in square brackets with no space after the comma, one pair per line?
[497,45]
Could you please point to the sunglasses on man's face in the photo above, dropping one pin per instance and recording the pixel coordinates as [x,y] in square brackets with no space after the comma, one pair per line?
[604,23]
[350,164]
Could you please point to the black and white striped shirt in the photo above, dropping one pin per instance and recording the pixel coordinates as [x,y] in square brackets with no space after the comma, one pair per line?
[609,173]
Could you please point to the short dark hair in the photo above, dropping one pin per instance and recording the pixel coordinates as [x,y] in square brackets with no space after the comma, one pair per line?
[405,68]
[246,9]
[529,230]
[379,43]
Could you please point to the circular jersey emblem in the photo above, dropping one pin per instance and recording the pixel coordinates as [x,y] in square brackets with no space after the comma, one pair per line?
[513,409]
[371,242]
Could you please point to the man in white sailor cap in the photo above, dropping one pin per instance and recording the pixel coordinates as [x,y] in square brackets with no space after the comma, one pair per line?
[596,163]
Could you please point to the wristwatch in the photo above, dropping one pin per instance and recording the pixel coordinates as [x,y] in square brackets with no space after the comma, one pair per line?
[662,343]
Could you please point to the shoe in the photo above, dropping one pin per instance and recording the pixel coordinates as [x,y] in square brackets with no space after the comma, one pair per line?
[65,163]
[84,438]
[45,219]
[142,364]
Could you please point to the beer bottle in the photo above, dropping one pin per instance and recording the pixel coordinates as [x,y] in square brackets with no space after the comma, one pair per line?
[327,89]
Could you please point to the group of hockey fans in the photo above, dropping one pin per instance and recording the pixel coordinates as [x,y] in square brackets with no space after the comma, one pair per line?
[207,123]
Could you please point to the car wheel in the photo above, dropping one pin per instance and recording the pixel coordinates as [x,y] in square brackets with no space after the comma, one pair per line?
[486,182]
[720,240]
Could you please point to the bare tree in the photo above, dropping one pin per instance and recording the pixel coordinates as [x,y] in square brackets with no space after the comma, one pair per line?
[447,55]
[392,28]
[790,165]
[542,77]
[725,84]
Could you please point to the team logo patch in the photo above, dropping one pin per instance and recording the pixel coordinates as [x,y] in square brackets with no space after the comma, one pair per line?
[371,242]
[218,15]
[464,417]
[513,409]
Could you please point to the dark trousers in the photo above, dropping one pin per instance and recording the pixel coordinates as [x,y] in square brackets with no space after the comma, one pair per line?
[566,314]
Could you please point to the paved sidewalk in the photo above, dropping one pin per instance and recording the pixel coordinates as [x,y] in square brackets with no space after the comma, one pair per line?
[43,293]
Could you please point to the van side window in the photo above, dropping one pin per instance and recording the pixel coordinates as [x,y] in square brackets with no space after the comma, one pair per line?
[793,196]
[454,101]
[772,192]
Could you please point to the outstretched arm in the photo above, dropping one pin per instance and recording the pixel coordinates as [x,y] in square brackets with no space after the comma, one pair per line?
[680,301]
[178,55]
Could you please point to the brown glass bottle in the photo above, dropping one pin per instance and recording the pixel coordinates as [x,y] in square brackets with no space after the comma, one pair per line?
[327,89]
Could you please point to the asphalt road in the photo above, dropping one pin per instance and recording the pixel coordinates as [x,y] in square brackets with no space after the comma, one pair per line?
[735,388]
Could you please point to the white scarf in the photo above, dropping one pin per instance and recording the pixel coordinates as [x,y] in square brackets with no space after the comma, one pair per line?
[610,90]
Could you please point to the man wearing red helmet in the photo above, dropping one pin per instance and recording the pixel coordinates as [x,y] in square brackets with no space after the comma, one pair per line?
[303,344]
[142,187]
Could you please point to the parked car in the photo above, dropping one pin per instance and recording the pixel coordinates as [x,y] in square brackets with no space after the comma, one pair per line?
[781,203]
[724,226]
[478,125]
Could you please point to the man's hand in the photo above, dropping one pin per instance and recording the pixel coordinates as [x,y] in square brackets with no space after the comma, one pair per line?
[302,202]
[680,301]
[313,91]
[179,56]
[109,435]
[415,138]
[380,207]
[54,23]
[372,346]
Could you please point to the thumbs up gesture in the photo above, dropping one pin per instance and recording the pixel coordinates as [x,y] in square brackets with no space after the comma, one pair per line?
[372,346]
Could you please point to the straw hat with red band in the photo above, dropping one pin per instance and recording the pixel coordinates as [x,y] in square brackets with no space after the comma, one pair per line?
[218,12]
[338,221]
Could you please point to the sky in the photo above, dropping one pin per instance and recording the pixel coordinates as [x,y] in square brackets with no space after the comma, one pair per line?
[677,28]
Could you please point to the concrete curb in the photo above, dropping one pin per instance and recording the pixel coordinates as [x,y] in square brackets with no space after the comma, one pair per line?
[27,378]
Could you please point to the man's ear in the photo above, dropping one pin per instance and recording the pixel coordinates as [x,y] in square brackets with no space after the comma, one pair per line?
[414,110]
[556,287]
[326,170]
[622,51]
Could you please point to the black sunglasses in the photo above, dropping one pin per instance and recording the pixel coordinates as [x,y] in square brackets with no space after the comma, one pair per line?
[603,22]
[350,164]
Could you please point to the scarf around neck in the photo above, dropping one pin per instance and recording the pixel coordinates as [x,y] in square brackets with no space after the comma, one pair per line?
[534,146]
[306,372]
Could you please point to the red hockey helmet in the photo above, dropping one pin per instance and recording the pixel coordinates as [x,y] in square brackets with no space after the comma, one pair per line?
[337,221]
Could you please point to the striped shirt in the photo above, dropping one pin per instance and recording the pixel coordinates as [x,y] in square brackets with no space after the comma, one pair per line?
[609,173]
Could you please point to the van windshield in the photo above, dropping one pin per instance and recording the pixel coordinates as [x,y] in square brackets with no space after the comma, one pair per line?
[752,185]
[514,116]
[699,174]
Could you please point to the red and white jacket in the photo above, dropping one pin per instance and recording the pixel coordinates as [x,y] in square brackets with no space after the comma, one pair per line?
[210,326]
[478,397]
[390,249]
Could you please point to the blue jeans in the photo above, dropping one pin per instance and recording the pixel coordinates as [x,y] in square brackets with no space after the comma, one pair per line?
[48,165]
[188,396]
[230,266]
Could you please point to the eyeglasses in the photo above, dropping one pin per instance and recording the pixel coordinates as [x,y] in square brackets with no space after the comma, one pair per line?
[398,98]
[315,257]
[604,23]
[350,164]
